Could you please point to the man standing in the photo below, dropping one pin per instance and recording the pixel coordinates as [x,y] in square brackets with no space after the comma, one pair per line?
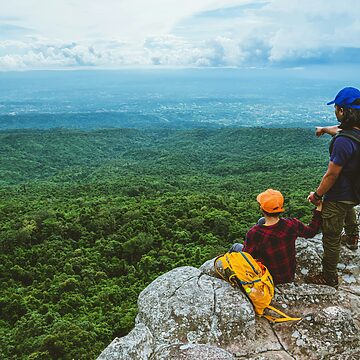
[337,187]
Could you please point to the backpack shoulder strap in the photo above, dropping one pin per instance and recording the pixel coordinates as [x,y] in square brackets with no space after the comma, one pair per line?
[284,317]
[243,254]
[352,134]
[215,267]
[232,279]
[347,133]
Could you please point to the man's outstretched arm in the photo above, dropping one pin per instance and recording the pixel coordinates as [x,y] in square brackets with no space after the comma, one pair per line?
[331,130]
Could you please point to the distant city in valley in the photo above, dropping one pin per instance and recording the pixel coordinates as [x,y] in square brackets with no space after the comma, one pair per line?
[172,98]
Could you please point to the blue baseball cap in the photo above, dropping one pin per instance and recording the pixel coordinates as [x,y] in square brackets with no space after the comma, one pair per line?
[346,97]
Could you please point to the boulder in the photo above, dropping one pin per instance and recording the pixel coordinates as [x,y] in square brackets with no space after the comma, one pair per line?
[309,255]
[192,352]
[187,306]
[138,344]
[189,313]
[325,333]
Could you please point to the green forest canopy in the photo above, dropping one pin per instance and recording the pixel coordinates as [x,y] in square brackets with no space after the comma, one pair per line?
[89,218]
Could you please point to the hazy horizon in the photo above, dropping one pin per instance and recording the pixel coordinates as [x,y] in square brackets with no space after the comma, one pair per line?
[181,98]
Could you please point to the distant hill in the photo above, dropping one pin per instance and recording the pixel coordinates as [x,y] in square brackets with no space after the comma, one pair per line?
[37,154]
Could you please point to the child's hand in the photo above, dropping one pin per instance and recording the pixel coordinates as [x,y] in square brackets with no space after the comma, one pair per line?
[319,207]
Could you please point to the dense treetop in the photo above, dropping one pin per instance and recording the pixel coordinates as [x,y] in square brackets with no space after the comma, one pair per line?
[89,218]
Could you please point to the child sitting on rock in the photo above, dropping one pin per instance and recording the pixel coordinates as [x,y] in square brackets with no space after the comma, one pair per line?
[272,239]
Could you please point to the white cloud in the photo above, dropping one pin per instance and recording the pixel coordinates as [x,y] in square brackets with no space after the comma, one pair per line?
[114,33]
[37,53]
[76,20]
[304,29]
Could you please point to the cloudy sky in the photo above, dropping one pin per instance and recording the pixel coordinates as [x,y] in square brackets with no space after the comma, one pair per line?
[57,34]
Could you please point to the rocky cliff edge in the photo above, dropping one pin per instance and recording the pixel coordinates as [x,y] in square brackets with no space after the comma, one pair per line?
[188,313]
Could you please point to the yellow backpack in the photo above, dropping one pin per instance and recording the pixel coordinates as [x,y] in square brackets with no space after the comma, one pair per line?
[240,269]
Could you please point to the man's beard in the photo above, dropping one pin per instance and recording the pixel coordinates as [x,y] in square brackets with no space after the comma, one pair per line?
[344,125]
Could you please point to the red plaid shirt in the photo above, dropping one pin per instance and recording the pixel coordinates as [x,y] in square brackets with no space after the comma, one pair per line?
[274,245]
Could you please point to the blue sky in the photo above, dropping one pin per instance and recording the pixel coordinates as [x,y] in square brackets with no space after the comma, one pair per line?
[62,34]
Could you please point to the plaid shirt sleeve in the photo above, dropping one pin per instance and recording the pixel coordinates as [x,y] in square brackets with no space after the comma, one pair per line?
[308,231]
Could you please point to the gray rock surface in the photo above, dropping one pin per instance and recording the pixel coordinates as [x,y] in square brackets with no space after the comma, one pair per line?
[188,313]
[268,355]
[192,352]
[187,306]
[321,334]
[138,344]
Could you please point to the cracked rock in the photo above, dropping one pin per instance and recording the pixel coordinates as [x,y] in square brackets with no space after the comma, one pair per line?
[189,313]
[192,352]
[185,305]
[331,331]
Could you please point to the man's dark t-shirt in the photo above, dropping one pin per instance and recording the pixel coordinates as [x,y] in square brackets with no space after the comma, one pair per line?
[345,153]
